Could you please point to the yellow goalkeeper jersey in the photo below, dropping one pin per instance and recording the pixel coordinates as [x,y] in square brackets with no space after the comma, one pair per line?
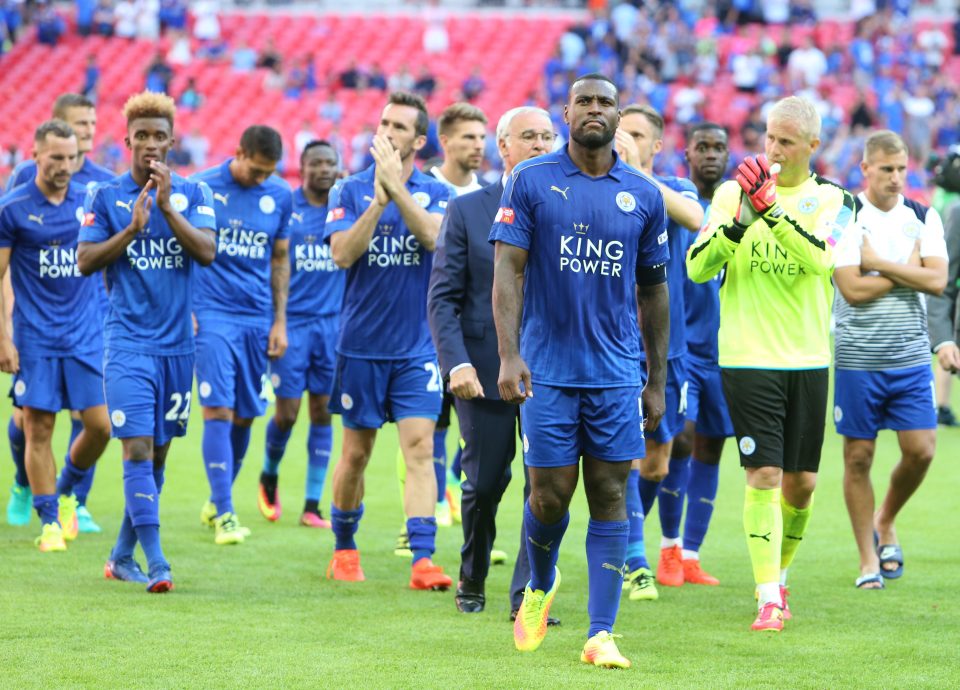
[777,292]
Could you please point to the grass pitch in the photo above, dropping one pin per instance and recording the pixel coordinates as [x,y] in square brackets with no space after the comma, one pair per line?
[262,615]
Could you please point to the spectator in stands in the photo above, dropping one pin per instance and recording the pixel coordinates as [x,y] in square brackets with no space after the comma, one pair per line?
[173,15]
[919,109]
[84,17]
[125,19]
[270,57]
[746,70]
[109,154]
[91,77]
[403,80]
[331,110]
[304,137]
[807,65]
[103,18]
[10,157]
[473,85]
[435,38]
[310,72]
[274,79]
[244,57]
[426,83]
[50,26]
[360,156]
[861,114]
[376,79]
[296,80]
[190,98]
[802,12]
[179,53]
[159,74]
[352,77]
[206,26]
[148,19]
[179,156]
[198,146]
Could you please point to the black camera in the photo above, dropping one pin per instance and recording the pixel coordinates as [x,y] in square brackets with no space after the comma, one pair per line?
[946,171]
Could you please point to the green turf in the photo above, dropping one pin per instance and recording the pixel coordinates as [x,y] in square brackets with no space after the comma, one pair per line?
[262,614]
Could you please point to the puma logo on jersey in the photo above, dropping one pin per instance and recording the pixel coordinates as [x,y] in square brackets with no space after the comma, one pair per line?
[149,497]
[38,219]
[125,204]
[222,198]
[622,570]
[544,547]
[561,192]
[765,537]
[297,217]
[368,198]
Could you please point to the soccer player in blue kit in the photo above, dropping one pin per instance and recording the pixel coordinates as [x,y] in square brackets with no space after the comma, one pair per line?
[78,112]
[382,226]
[241,313]
[580,245]
[642,138]
[313,320]
[148,228]
[56,352]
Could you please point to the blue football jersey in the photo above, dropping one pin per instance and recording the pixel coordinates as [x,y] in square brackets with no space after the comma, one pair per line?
[678,238]
[87,176]
[55,308]
[249,221]
[385,300]
[316,283]
[586,237]
[151,286]
[702,305]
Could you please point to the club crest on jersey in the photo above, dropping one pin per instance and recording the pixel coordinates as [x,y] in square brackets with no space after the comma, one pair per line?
[128,205]
[267,204]
[580,228]
[808,204]
[626,202]
[912,230]
[179,202]
[504,215]
[422,199]
[335,214]
[35,218]
[346,402]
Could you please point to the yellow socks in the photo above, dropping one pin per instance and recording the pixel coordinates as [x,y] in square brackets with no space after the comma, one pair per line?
[794,525]
[763,525]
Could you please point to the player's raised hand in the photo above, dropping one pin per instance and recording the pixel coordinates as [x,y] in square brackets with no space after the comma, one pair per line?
[378,190]
[160,175]
[277,341]
[758,183]
[626,148]
[514,383]
[654,405]
[9,357]
[465,385]
[389,164]
[142,206]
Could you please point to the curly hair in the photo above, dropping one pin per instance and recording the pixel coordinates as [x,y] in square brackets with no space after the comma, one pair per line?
[149,104]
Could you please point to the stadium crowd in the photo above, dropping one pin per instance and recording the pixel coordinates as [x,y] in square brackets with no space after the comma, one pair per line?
[648,234]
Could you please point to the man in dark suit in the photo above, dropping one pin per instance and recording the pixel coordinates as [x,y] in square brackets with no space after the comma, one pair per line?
[460,311]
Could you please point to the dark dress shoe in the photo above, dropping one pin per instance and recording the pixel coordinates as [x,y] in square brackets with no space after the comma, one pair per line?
[470,597]
[550,619]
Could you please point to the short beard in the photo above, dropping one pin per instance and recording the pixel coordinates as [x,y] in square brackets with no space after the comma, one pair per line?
[593,140]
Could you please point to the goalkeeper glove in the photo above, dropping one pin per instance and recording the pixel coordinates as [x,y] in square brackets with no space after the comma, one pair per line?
[759,185]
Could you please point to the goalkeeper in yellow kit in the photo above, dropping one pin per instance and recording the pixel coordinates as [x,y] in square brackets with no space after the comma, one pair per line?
[775,232]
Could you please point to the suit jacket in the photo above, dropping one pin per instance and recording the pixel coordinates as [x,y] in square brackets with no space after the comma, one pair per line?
[460,299]
[942,323]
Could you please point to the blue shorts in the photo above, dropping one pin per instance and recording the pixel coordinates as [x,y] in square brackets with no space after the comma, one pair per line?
[56,383]
[898,399]
[232,366]
[706,404]
[309,362]
[369,392]
[561,424]
[148,395]
[675,412]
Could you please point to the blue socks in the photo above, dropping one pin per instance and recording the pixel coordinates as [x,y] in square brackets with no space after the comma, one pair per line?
[648,492]
[82,488]
[239,441]
[636,550]
[422,532]
[47,508]
[143,507]
[319,446]
[127,538]
[543,548]
[276,445]
[218,462]
[440,462]
[18,446]
[606,550]
[344,524]
[70,476]
[672,491]
[701,493]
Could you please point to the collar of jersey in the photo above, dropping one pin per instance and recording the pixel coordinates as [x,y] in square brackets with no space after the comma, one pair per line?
[570,168]
[37,196]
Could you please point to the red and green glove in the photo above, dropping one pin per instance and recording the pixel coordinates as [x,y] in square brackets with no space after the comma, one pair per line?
[759,185]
